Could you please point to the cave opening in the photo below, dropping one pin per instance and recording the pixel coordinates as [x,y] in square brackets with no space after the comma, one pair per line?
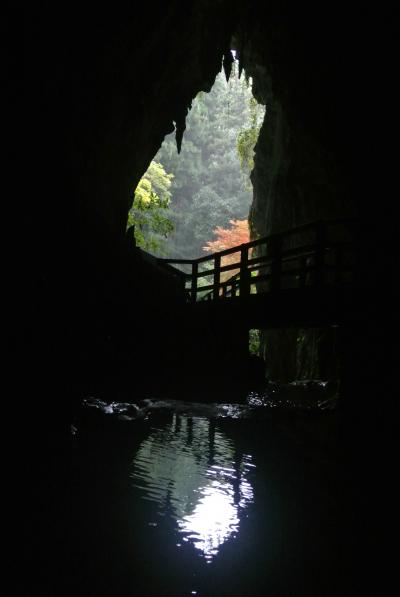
[201,194]
[197,199]
[101,99]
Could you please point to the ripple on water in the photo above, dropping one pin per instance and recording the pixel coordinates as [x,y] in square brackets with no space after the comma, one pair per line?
[192,472]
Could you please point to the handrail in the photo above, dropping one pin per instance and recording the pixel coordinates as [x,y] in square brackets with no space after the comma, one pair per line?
[260,241]
[267,271]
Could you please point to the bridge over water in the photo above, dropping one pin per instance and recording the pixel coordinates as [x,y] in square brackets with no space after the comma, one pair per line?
[301,277]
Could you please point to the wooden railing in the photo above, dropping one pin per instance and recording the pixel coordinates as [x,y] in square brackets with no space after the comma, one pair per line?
[316,254]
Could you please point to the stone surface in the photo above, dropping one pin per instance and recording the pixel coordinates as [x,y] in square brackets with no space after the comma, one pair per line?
[102,89]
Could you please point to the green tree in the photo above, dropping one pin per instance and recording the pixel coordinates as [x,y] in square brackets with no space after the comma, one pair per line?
[149,213]
[210,187]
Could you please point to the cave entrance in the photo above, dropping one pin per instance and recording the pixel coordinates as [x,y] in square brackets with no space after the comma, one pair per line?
[199,200]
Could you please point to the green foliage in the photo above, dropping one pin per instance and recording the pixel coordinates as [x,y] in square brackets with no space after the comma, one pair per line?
[254,342]
[209,187]
[247,138]
[149,213]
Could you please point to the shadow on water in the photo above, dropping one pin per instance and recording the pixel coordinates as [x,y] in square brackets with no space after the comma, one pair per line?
[179,499]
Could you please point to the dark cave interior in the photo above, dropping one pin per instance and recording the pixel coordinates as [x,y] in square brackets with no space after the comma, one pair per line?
[101,92]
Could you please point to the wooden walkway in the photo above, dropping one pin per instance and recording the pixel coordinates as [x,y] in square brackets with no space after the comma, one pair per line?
[316,254]
[302,275]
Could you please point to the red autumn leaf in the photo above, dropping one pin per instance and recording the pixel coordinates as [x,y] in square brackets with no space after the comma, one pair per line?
[227,238]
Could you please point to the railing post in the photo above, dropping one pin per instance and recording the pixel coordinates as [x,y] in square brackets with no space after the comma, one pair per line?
[182,281]
[195,269]
[244,272]
[320,253]
[217,274]
[275,245]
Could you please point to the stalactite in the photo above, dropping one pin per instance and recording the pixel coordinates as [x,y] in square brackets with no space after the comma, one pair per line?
[180,122]
[240,52]
[240,60]
[227,64]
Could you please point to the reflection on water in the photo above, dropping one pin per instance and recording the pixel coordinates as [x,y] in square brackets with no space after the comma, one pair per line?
[194,474]
[163,500]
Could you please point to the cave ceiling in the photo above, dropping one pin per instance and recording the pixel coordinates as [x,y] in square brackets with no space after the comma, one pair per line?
[106,89]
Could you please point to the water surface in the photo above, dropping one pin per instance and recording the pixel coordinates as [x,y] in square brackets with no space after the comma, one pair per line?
[175,498]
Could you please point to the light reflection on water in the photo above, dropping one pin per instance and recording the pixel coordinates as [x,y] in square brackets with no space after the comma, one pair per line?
[194,474]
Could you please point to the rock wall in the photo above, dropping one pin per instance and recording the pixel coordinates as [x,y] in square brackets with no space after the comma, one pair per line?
[297,176]
[101,90]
